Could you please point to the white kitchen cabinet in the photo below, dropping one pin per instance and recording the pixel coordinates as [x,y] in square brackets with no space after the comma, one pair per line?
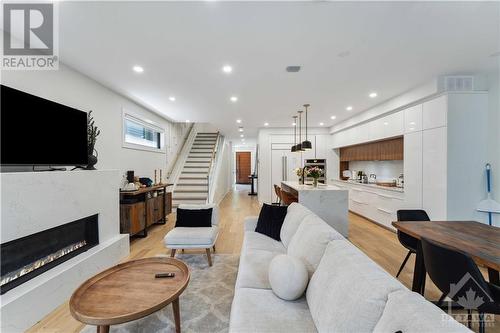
[413,119]
[434,173]
[434,113]
[413,169]
[321,150]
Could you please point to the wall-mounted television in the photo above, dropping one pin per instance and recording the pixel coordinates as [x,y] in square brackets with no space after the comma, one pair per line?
[36,131]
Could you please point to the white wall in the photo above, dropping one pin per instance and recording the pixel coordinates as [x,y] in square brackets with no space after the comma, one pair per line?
[74,89]
[223,182]
[494,132]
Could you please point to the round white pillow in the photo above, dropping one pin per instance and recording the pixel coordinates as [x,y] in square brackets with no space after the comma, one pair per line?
[288,277]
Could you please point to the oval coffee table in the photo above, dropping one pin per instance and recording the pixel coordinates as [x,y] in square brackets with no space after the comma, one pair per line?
[130,291]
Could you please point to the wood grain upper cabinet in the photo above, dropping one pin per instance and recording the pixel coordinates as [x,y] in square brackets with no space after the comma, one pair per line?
[385,150]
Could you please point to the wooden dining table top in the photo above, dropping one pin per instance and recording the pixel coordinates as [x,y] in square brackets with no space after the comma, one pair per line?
[480,241]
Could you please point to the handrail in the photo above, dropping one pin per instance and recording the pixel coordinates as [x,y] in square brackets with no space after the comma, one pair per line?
[186,137]
[215,156]
[182,156]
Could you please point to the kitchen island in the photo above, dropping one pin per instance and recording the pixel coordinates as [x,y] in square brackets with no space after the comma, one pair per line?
[327,201]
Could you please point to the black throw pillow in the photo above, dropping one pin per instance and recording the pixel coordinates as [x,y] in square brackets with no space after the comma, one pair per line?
[194,218]
[271,218]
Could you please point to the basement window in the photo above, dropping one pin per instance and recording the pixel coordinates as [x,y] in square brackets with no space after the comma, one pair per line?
[142,134]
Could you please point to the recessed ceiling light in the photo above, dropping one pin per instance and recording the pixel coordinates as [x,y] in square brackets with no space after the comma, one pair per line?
[412,123]
[238,121]
[240,129]
[138,69]
[266,124]
[321,124]
[227,69]
[242,136]
[386,123]
[373,95]
[294,124]
[188,121]
[349,108]
[234,99]
[172,98]
[333,117]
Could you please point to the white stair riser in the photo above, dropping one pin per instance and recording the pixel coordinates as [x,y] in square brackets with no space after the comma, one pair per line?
[192,181]
[188,188]
[188,171]
[194,196]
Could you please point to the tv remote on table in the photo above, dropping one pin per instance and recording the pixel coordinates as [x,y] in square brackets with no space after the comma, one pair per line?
[164,275]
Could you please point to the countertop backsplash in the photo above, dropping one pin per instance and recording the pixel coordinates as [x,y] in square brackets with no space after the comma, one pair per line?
[384,170]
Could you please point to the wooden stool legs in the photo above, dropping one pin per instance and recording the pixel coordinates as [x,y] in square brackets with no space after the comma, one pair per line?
[209,257]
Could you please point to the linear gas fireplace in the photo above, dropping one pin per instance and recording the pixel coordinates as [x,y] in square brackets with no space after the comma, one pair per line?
[27,257]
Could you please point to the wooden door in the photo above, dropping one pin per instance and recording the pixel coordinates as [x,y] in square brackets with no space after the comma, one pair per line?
[243,167]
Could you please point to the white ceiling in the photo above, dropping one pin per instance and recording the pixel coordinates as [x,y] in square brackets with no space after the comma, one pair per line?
[346,50]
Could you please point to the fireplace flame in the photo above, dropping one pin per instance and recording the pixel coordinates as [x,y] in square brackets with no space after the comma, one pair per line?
[11,276]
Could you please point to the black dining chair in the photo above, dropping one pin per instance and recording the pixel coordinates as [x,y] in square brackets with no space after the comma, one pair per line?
[457,276]
[406,240]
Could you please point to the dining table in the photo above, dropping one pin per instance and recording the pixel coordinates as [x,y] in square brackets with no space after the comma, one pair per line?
[478,240]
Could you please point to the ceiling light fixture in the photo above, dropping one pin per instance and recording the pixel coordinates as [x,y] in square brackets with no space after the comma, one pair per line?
[266,124]
[306,144]
[138,69]
[240,129]
[321,124]
[227,69]
[172,98]
[234,99]
[188,121]
[333,117]
[242,136]
[349,108]
[294,147]
[238,121]
[373,95]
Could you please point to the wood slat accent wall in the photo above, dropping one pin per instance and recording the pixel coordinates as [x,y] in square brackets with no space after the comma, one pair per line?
[386,150]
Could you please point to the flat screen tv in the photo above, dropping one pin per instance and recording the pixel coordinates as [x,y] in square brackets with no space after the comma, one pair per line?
[36,131]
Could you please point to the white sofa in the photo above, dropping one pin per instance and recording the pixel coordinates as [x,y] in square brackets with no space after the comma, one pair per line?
[347,291]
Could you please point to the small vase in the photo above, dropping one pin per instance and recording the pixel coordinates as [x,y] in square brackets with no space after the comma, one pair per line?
[92,161]
[315,182]
[301,181]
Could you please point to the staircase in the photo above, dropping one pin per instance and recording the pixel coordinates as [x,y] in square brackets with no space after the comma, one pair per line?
[192,186]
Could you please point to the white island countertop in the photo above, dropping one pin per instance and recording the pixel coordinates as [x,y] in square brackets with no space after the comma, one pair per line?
[329,202]
[321,187]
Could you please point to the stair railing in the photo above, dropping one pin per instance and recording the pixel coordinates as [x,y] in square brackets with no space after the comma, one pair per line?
[213,161]
[182,155]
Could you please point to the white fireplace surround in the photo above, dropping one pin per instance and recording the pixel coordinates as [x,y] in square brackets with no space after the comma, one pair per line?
[36,201]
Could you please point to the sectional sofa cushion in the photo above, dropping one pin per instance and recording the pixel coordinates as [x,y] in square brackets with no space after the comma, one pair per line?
[259,310]
[348,291]
[310,241]
[409,312]
[288,277]
[270,220]
[254,240]
[253,271]
[294,216]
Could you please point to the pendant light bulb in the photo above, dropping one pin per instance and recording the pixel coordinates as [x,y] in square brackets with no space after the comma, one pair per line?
[306,145]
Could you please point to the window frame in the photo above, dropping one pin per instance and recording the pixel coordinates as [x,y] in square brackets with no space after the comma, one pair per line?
[149,124]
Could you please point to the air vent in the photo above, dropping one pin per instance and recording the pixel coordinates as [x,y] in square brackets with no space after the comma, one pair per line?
[459,83]
[293,69]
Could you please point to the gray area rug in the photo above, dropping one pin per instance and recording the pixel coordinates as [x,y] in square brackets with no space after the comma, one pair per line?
[205,304]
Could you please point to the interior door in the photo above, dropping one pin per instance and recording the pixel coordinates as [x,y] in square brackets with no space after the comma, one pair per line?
[243,167]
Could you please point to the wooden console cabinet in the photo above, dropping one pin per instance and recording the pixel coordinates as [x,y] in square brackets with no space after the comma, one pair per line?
[143,208]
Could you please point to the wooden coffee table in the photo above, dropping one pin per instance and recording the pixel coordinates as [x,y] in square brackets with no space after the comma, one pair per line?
[130,291]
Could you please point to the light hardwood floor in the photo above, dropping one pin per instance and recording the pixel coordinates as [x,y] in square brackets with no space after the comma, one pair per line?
[378,243]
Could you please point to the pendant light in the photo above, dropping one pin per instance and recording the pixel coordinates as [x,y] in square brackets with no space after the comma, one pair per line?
[299,145]
[306,145]
[294,147]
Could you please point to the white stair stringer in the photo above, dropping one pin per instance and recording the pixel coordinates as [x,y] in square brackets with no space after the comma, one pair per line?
[192,184]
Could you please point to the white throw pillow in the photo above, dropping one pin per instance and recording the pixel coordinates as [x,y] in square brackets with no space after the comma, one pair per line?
[310,241]
[295,214]
[288,277]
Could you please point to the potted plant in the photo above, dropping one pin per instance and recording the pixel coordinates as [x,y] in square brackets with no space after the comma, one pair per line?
[92,134]
[314,172]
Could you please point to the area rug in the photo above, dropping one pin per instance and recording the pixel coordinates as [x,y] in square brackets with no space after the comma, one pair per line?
[205,304]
